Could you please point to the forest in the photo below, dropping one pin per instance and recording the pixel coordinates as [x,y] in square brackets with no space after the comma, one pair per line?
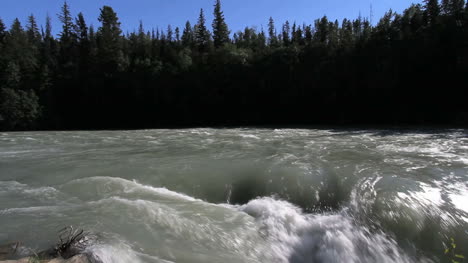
[405,69]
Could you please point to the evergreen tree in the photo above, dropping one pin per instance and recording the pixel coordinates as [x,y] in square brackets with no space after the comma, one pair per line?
[286,33]
[83,79]
[83,43]
[187,35]
[109,41]
[81,28]
[48,30]
[308,34]
[432,11]
[18,48]
[67,34]
[19,108]
[346,34]
[273,40]
[170,33]
[322,30]
[2,31]
[177,34]
[220,28]
[202,35]
[33,31]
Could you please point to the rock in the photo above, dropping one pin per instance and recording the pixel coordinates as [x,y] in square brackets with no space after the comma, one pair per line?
[75,259]
[24,260]
[10,251]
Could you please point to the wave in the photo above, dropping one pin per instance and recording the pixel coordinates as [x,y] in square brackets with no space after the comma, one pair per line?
[263,229]
[297,237]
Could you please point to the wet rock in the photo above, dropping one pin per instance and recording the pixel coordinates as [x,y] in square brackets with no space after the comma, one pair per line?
[9,251]
[75,259]
[24,260]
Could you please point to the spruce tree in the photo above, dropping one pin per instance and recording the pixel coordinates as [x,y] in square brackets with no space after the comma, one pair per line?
[18,48]
[286,33]
[456,7]
[18,108]
[202,36]
[81,28]
[67,34]
[83,42]
[187,35]
[273,39]
[109,40]
[33,31]
[2,32]
[177,34]
[308,35]
[170,33]
[220,28]
[48,28]
[432,11]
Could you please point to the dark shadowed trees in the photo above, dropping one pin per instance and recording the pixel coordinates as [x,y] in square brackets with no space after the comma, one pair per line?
[202,35]
[409,68]
[220,28]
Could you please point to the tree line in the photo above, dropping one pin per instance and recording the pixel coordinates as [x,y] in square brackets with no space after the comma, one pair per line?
[409,68]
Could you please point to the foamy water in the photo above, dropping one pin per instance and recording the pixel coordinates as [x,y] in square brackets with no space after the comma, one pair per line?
[240,195]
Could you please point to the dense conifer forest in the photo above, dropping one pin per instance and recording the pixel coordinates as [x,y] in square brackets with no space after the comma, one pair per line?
[409,68]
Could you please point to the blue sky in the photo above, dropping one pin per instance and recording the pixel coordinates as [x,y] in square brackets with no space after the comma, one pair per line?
[239,13]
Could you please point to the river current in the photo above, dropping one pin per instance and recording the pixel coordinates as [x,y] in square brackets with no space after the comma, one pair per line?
[241,195]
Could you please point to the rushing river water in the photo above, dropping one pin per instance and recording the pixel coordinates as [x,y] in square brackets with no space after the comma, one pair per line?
[241,195]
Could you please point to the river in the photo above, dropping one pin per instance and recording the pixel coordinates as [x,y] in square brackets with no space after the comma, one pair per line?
[241,195]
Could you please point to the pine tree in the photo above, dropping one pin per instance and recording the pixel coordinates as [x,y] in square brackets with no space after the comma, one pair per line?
[322,30]
[220,28]
[81,28]
[202,36]
[141,32]
[308,35]
[170,33]
[456,7]
[286,33]
[48,30]
[49,44]
[67,34]
[432,11]
[187,35]
[273,39]
[18,108]
[2,32]
[346,34]
[261,40]
[109,40]
[83,42]
[445,6]
[177,34]
[18,48]
[33,31]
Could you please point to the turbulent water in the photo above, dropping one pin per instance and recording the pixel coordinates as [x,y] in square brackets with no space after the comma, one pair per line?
[241,195]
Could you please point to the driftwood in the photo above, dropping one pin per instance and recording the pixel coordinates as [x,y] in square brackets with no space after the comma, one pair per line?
[73,242]
[71,247]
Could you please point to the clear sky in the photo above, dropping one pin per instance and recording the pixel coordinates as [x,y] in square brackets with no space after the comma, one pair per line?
[239,13]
